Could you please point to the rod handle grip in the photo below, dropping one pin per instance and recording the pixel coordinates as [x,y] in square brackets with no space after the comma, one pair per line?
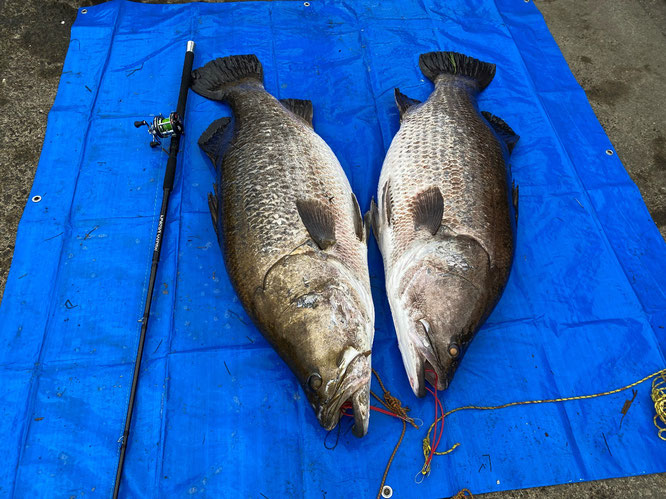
[185,80]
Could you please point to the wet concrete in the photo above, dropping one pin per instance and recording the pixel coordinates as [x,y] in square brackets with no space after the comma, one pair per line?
[615,50]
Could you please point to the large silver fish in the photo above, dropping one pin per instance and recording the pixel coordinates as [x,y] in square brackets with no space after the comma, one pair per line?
[443,220]
[293,237]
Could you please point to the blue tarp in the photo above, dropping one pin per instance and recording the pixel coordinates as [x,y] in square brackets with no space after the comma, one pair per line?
[218,412]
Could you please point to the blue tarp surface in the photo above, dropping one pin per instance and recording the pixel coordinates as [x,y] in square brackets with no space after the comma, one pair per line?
[218,412]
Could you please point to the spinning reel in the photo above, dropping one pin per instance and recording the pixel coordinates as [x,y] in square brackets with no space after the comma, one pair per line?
[162,127]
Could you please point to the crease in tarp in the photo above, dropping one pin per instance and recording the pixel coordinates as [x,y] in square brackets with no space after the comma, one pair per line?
[563,327]
[624,176]
[573,166]
[34,380]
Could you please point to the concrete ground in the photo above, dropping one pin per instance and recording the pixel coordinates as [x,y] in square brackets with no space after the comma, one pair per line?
[615,50]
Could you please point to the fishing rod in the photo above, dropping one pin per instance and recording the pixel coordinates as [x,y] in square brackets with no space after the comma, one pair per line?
[161,128]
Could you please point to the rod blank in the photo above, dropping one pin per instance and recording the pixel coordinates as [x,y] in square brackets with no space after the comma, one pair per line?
[167,187]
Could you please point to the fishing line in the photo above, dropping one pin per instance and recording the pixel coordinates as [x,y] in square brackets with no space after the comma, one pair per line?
[658,395]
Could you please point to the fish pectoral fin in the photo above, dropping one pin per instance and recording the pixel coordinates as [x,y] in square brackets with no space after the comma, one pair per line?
[403,102]
[514,199]
[215,139]
[301,108]
[212,206]
[318,221]
[371,219]
[387,198]
[428,210]
[503,131]
[359,227]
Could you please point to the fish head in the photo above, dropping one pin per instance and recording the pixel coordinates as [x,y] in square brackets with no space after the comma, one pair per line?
[322,325]
[438,303]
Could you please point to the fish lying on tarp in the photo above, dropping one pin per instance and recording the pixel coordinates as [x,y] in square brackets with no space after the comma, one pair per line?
[293,237]
[443,220]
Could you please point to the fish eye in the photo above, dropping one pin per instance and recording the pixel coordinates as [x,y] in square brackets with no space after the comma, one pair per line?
[454,350]
[314,381]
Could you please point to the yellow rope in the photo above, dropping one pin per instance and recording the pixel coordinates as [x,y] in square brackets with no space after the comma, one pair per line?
[658,397]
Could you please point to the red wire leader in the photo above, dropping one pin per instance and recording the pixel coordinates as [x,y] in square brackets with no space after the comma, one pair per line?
[436,437]
[438,407]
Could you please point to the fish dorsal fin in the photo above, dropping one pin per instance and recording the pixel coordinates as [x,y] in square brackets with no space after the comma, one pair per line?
[212,206]
[318,220]
[515,196]
[213,140]
[301,108]
[358,219]
[403,102]
[503,130]
[428,210]
[387,198]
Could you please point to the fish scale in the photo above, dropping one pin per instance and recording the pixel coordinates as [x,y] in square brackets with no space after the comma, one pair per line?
[443,219]
[457,152]
[299,165]
[288,224]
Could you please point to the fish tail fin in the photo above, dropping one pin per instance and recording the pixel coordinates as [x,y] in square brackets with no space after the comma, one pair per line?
[504,131]
[213,140]
[214,80]
[433,64]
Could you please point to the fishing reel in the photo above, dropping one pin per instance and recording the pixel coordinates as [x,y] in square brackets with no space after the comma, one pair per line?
[162,127]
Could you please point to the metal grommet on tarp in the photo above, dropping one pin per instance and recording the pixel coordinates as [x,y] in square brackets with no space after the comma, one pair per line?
[387,491]
[84,11]
[36,199]
[609,152]
[92,178]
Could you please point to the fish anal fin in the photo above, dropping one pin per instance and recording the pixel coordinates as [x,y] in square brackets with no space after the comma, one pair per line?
[403,102]
[503,131]
[215,138]
[318,221]
[359,228]
[428,210]
[301,108]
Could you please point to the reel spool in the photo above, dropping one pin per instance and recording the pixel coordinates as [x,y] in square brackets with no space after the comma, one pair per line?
[162,127]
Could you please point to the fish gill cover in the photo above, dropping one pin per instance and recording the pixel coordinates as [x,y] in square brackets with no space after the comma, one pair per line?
[218,412]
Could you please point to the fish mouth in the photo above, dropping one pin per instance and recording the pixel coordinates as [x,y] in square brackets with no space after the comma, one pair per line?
[354,388]
[422,365]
